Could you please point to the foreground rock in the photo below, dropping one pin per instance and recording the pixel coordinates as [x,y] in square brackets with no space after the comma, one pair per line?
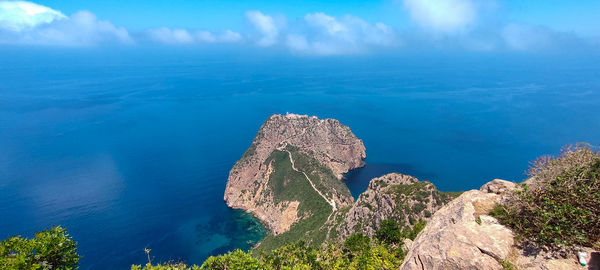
[294,152]
[392,196]
[462,236]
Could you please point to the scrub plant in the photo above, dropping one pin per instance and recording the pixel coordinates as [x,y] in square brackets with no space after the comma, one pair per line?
[560,205]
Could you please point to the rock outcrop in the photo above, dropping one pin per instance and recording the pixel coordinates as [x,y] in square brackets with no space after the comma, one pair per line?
[296,151]
[461,235]
[392,196]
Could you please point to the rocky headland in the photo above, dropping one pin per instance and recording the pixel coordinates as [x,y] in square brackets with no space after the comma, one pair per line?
[290,179]
[292,170]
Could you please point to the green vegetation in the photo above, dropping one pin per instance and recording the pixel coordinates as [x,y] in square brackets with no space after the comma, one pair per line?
[420,191]
[289,185]
[560,204]
[508,265]
[321,176]
[411,233]
[389,232]
[358,252]
[49,249]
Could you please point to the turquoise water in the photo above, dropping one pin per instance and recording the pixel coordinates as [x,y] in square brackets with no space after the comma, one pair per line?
[131,149]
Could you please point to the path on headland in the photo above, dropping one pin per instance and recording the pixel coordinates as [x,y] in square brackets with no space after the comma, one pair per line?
[330,202]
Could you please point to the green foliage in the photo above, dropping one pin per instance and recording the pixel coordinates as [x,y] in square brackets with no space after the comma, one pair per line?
[165,266]
[237,260]
[358,252]
[321,176]
[49,249]
[416,229]
[389,232]
[560,206]
[357,243]
[290,185]
[507,265]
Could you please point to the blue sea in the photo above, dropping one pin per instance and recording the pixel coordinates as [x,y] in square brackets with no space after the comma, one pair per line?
[131,148]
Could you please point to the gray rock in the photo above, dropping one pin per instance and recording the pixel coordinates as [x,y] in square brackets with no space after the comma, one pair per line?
[457,238]
[392,196]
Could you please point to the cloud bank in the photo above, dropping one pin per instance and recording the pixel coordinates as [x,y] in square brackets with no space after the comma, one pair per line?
[456,24]
[32,24]
[166,35]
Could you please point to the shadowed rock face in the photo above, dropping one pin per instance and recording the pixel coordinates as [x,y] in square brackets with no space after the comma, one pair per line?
[332,145]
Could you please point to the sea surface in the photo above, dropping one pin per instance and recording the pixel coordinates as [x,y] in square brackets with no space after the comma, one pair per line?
[130,149]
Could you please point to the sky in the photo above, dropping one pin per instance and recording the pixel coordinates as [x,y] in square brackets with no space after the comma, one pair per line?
[308,27]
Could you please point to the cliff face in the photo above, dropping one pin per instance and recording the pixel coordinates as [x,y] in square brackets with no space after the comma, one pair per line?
[392,196]
[292,170]
[461,235]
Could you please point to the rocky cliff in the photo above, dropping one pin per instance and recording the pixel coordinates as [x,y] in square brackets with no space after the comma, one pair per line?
[392,196]
[290,176]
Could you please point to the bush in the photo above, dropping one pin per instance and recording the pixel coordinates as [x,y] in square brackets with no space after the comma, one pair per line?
[49,249]
[389,232]
[165,266]
[357,243]
[560,205]
[416,229]
[237,260]
[358,252]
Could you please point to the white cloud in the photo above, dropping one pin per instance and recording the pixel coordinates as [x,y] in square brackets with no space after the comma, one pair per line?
[266,27]
[328,35]
[181,36]
[230,37]
[29,23]
[21,15]
[328,23]
[170,36]
[444,16]
[205,36]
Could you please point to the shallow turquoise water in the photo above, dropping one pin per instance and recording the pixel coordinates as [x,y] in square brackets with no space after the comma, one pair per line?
[131,149]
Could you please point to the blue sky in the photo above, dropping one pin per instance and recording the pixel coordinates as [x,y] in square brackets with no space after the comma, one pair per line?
[580,16]
[307,27]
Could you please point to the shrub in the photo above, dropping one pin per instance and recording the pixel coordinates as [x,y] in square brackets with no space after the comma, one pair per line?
[49,249]
[357,243]
[560,205]
[237,260]
[416,229]
[389,232]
